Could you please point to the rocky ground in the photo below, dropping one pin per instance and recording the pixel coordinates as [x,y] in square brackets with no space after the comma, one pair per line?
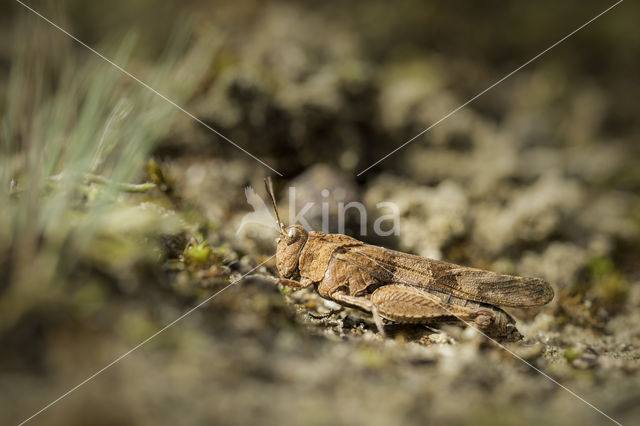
[538,179]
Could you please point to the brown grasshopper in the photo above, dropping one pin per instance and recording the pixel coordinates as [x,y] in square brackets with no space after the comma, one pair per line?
[401,287]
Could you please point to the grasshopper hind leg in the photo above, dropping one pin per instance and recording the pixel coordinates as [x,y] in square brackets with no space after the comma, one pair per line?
[404,304]
[407,304]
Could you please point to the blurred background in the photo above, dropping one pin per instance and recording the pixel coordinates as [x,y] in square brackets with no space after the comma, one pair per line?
[118,212]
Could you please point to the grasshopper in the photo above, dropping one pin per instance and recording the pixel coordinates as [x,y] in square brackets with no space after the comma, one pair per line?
[401,287]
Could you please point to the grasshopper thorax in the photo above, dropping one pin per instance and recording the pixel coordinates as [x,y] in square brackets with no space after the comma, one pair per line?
[292,240]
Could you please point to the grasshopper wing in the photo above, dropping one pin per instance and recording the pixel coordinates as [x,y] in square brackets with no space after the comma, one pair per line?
[394,267]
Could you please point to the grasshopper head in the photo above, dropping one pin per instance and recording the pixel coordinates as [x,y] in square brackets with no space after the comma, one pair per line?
[290,244]
[292,239]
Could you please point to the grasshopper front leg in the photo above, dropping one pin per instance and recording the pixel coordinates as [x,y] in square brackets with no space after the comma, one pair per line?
[295,285]
[363,304]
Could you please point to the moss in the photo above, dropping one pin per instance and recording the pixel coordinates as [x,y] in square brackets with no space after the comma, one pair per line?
[89,298]
[136,326]
[203,255]
[371,358]
[198,254]
[571,354]
[157,176]
[610,286]
[285,290]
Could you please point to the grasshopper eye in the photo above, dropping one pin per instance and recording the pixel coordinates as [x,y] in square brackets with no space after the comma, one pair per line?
[292,236]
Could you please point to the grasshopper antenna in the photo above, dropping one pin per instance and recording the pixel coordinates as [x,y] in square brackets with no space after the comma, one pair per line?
[269,186]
